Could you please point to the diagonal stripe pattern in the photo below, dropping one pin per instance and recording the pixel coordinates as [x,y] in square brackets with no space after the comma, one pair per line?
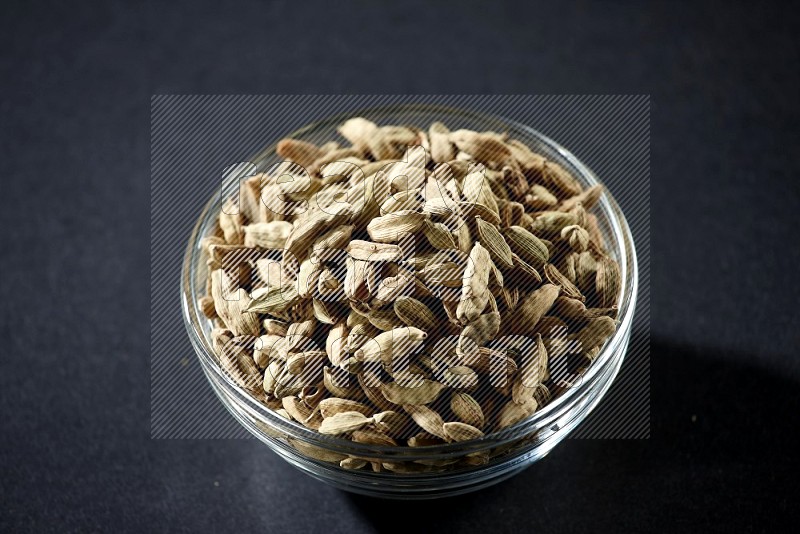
[194,138]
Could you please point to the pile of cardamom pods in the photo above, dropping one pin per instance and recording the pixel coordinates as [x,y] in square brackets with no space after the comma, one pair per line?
[410,288]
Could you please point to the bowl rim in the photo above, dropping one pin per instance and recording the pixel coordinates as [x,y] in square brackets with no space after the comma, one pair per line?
[623,247]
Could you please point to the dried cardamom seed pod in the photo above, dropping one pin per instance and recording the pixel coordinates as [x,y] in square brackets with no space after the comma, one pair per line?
[576,236]
[513,214]
[561,180]
[267,235]
[533,371]
[371,386]
[369,436]
[273,327]
[359,335]
[238,363]
[427,419]
[569,308]
[296,408]
[333,405]
[476,458]
[527,271]
[340,383]
[439,235]
[271,374]
[304,233]
[394,424]
[542,395]
[273,299]
[442,149]
[585,272]
[233,308]
[414,313]
[392,288]
[334,239]
[325,312]
[299,334]
[489,214]
[267,348]
[344,422]
[376,252]
[515,181]
[552,222]
[512,413]
[457,431]
[491,238]
[483,147]
[231,224]
[607,282]
[409,377]
[477,190]
[568,289]
[540,198]
[335,343]
[353,463]
[408,200]
[595,334]
[392,346]
[477,333]
[206,305]
[532,309]
[467,409]
[287,384]
[463,236]
[460,377]
[529,247]
[392,227]
[475,285]
[312,395]
[384,319]
[511,298]
[587,198]
[313,451]
[443,273]
[358,131]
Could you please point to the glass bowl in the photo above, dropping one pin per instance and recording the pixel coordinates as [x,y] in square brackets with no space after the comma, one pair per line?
[430,471]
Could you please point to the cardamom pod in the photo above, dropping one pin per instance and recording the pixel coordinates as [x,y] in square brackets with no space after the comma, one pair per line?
[512,413]
[467,409]
[414,313]
[607,282]
[456,431]
[332,405]
[491,238]
[343,422]
[392,227]
[439,235]
[529,247]
[427,419]
[475,285]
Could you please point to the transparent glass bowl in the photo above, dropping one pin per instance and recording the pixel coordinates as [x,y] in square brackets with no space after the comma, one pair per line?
[510,450]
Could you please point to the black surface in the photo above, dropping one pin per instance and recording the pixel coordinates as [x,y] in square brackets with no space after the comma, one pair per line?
[74,379]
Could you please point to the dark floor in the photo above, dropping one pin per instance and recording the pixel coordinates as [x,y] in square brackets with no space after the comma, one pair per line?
[76,83]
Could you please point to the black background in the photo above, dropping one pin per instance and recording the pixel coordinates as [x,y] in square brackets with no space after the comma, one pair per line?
[75,89]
